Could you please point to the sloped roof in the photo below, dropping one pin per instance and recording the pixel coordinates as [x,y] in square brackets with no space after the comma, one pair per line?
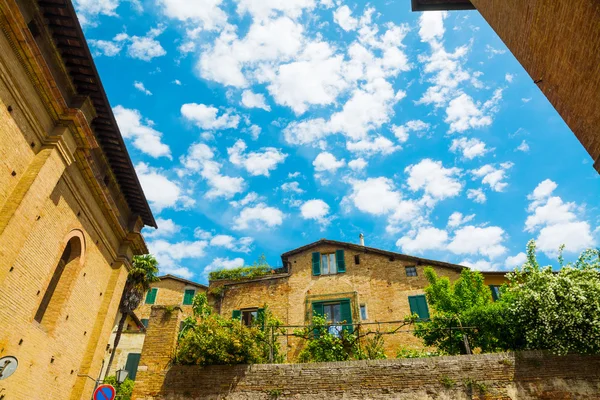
[365,249]
[176,278]
[62,22]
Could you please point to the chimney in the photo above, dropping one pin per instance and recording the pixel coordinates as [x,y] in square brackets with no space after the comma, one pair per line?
[362,239]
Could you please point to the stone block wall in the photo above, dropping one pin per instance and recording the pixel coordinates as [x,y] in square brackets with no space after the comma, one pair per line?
[527,375]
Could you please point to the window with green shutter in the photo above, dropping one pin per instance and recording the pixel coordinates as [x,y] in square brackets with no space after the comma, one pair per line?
[188,297]
[495,292]
[151,296]
[335,312]
[418,305]
[316,264]
[328,263]
[131,366]
[341,262]
[236,314]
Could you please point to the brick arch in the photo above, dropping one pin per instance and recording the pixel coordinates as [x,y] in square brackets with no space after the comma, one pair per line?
[60,286]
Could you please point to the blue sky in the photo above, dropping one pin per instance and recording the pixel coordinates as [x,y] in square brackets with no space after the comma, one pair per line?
[257,126]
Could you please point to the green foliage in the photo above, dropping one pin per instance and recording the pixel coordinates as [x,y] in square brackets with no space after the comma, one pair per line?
[556,311]
[258,269]
[404,352]
[466,303]
[373,348]
[323,346]
[538,309]
[143,273]
[123,390]
[208,338]
[447,382]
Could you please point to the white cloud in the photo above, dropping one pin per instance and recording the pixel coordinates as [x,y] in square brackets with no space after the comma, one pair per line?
[402,132]
[89,10]
[143,48]
[206,117]
[250,198]
[327,162]
[292,175]
[509,78]
[221,263]
[145,138]
[254,131]
[470,148]
[485,241]
[315,209]
[254,100]
[292,187]
[256,163]
[166,228]
[463,114]
[262,9]
[106,47]
[524,147]
[258,217]
[457,219]
[160,191]
[492,176]
[492,51]
[431,176]
[140,86]
[177,82]
[379,145]
[431,25]
[201,14]
[516,260]
[526,99]
[343,17]
[376,196]
[200,160]
[425,239]
[476,195]
[169,255]
[229,242]
[357,165]
[479,265]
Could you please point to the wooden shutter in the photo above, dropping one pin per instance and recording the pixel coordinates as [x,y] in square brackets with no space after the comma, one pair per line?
[151,296]
[317,309]
[340,261]
[145,322]
[494,294]
[418,305]
[346,314]
[188,297]
[236,314]
[133,360]
[316,264]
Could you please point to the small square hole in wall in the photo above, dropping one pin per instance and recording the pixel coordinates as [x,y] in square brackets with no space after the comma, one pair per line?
[411,270]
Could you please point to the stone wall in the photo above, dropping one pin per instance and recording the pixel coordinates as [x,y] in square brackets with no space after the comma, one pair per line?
[527,375]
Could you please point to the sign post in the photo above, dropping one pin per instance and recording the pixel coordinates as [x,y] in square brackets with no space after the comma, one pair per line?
[105,392]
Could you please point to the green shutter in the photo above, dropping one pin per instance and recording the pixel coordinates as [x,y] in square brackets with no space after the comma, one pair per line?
[317,309]
[340,261]
[494,294]
[151,296]
[316,264]
[133,360]
[418,305]
[346,314]
[236,314]
[145,322]
[188,297]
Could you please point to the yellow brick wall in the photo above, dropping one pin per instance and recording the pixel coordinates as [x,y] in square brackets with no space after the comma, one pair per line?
[378,282]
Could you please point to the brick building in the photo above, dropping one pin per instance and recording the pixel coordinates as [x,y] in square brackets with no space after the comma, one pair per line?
[558,44]
[71,206]
[169,291]
[343,281]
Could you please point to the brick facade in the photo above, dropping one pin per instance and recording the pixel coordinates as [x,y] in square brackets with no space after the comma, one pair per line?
[528,375]
[57,191]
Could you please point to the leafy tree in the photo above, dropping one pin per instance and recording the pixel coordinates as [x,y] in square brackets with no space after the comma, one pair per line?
[141,275]
[557,311]
[124,390]
[323,344]
[458,308]
[208,338]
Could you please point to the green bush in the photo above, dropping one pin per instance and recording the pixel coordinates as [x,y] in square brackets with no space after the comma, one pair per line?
[323,346]
[372,348]
[210,339]
[404,352]
[124,390]
[258,269]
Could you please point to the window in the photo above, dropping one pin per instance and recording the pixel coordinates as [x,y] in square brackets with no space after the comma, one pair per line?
[328,263]
[357,259]
[248,316]
[418,305]
[151,296]
[336,313]
[145,322]
[411,270]
[363,312]
[133,360]
[495,292]
[188,297]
